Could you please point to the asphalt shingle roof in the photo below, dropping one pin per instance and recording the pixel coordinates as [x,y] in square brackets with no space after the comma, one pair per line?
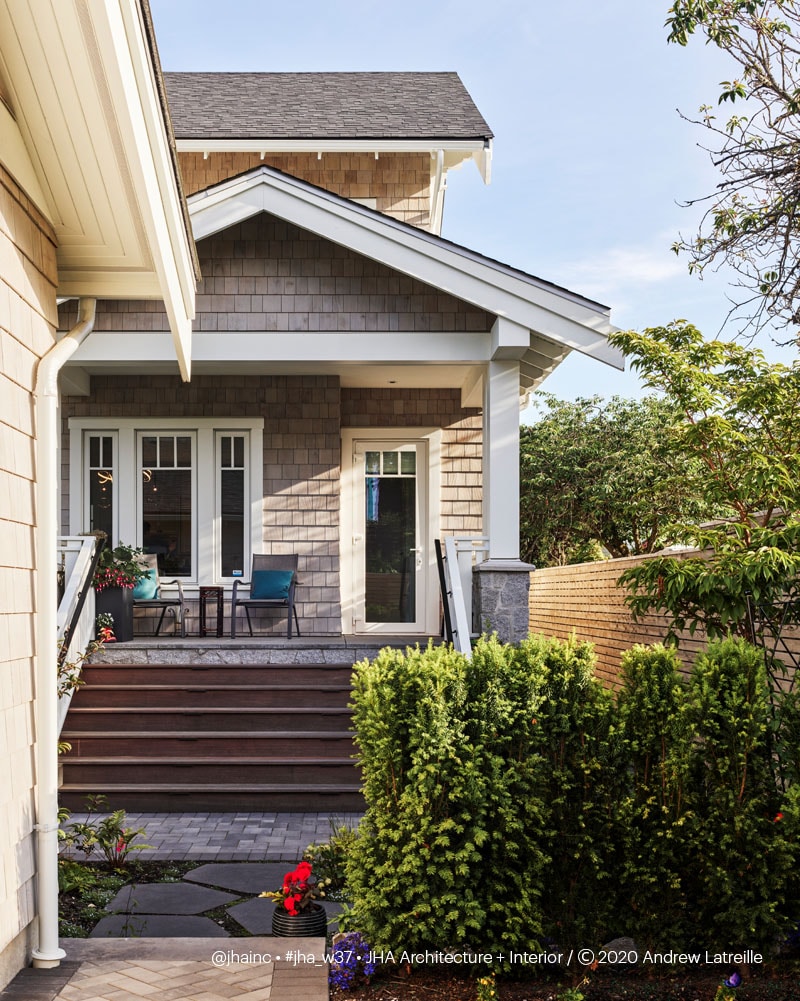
[323,106]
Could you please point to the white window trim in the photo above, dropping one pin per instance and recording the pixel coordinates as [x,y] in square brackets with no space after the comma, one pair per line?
[433,437]
[126,486]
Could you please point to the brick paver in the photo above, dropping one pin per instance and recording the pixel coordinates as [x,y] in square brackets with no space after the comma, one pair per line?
[232,837]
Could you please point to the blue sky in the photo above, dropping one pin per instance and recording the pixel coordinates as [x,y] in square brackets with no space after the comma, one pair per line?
[591,159]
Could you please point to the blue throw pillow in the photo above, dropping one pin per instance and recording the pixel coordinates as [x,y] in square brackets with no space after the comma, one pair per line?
[271,585]
[146,588]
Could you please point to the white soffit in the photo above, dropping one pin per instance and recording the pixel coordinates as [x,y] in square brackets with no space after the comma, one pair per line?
[82,87]
[559,320]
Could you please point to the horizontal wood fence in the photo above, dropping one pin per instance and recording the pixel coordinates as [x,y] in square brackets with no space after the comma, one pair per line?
[585,600]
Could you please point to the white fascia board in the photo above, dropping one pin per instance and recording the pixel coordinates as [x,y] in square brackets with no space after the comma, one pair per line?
[562,317]
[282,346]
[128,69]
[467,146]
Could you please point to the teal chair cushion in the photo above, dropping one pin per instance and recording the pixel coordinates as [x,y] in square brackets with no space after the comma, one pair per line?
[271,585]
[146,588]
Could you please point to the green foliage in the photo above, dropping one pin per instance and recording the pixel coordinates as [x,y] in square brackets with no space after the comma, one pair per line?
[446,849]
[602,474]
[654,807]
[329,859]
[741,855]
[578,780]
[751,221]
[107,835]
[512,797]
[740,426]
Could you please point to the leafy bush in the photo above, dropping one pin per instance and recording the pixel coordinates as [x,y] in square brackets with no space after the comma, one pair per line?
[579,773]
[741,849]
[511,798]
[654,809]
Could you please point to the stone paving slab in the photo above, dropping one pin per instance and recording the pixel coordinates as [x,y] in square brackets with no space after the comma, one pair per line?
[167,898]
[244,877]
[189,969]
[157,926]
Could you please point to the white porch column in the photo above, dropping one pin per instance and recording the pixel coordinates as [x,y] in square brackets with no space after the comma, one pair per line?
[502,582]
[501,460]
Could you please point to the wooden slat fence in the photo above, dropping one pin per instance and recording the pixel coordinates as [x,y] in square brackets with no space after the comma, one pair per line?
[585,600]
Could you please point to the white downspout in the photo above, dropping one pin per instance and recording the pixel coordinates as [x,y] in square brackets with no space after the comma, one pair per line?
[49,954]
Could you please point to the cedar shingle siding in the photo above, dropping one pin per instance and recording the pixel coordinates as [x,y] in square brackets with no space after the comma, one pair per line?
[265,274]
[399,182]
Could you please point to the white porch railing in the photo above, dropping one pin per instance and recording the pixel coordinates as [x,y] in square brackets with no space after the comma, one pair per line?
[75,563]
[461,554]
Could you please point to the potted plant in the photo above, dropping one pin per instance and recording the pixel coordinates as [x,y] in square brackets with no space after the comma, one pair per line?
[297,913]
[117,573]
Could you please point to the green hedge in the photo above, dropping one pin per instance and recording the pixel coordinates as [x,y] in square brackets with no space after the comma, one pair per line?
[512,800]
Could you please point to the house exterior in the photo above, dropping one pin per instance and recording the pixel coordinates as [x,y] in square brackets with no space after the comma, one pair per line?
[355,375]
[90,206]
[343,383]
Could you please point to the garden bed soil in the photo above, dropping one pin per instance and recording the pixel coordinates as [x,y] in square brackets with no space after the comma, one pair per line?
[781,983]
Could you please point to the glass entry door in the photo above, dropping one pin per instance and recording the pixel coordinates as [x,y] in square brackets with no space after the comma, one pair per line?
[389,541]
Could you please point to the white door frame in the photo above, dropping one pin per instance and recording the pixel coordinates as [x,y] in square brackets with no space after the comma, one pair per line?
[432,437]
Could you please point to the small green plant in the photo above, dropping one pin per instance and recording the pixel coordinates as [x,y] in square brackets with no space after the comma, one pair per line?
[69,671]
[329,859]
[119,567]
[104,627]
[486,988]
[108,835]
[573,993]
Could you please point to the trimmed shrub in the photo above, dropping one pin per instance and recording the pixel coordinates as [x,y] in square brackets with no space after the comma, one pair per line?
[741,855]
[653,810]
[579,776]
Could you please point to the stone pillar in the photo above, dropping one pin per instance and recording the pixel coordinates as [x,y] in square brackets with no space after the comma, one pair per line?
[500,599]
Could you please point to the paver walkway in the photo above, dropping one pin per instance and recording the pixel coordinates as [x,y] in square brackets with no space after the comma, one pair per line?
[240,837]
[136,968]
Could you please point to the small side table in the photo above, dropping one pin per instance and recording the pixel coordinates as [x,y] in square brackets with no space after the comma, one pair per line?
[209,596]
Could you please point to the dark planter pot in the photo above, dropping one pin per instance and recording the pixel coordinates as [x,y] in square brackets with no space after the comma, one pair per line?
[311,923]
[118,602]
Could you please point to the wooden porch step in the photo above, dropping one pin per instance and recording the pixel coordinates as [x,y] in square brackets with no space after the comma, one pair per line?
[210,743]
[173,718]
[197,695]
[223,674]
[342,797]
[190,771]
[222,736]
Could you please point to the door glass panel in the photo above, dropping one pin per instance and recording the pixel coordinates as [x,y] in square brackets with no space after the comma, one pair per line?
[167,502]
[390,540]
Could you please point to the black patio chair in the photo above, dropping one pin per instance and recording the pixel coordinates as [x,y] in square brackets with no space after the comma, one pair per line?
[272,585]
[150,560]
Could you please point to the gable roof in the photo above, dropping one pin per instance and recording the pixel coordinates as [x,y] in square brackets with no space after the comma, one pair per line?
[323,106]
[537,322]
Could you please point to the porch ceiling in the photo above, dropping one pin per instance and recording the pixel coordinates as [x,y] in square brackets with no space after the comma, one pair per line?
[83,127]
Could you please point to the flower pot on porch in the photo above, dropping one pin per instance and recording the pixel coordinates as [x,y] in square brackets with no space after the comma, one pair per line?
[310,923]
[117,602]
